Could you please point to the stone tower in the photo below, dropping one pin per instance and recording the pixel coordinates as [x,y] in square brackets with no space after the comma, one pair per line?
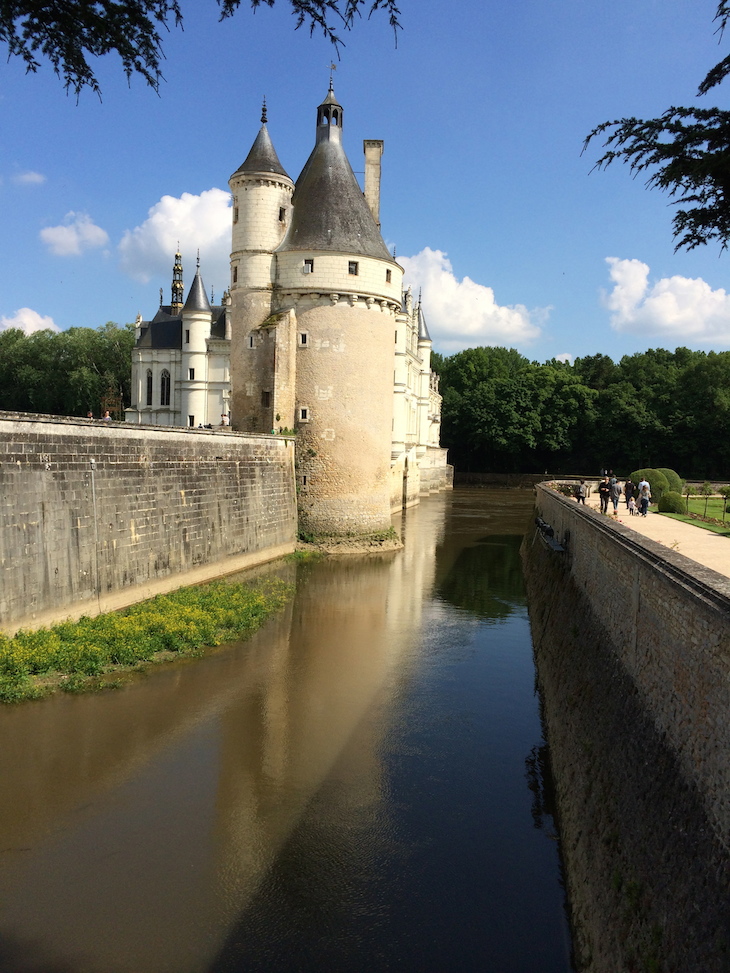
[318,354]
[196,321]
[261,191]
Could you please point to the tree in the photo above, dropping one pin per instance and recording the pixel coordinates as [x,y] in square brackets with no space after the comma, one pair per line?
[724,492]
[706,491]
[69,32]
[687,153]
[690,491]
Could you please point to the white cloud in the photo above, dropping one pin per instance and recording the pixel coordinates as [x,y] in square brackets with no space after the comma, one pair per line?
[195,222]
[462,313]
[28,321]
[78,232]
[680,308]
[29,178]
[566,356]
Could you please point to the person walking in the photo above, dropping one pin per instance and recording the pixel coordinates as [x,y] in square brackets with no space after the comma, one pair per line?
[581,492]
[615,493]
[604,492]
[628,490]
[644,497]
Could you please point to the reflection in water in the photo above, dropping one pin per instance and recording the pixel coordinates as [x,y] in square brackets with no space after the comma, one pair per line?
[345,791]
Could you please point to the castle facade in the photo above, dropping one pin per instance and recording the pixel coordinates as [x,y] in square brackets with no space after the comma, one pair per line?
[323,340]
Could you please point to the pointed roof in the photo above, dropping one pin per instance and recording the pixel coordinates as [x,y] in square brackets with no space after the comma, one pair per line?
[329,209]
[423,334]
[263,157]
[197,298]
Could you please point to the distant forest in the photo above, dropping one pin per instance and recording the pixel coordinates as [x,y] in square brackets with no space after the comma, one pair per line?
[67,373]
[502,412]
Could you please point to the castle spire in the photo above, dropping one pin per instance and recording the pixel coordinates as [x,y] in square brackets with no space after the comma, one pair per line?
[177,284]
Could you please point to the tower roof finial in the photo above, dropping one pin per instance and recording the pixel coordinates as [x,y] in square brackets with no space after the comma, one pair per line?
[264,117]
[333,68]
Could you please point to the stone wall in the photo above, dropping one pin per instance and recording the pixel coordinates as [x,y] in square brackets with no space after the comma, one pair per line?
[632,646]
[96,516]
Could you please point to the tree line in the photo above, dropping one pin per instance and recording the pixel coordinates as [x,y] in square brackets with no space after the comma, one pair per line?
[502,412]
[67,373]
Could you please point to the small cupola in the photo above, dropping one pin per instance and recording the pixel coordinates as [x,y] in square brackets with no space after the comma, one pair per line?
[329,118]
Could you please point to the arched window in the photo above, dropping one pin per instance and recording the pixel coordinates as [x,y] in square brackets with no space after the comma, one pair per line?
[165,388]
[149,386]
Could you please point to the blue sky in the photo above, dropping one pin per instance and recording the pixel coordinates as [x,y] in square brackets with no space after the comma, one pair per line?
[483,107]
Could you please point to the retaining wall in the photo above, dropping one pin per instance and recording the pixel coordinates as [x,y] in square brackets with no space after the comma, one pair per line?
[632,646]
[94,516]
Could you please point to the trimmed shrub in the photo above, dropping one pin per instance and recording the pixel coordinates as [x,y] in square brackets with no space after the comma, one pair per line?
[657,481]
[671,502]
[673,479]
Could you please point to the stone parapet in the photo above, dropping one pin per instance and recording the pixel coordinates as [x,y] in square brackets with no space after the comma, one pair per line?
[98,515]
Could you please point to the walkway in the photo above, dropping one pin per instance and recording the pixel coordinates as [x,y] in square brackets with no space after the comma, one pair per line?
[703,546]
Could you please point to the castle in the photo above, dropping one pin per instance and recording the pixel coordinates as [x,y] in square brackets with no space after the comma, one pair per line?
[315,335]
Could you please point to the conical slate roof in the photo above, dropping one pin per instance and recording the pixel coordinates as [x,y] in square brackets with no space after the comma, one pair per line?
[197,298]
[263,157]
[329,209]
[423,334]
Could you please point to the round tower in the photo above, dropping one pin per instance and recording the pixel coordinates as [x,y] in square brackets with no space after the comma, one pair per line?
[334,270]
[196,322]
[261,191]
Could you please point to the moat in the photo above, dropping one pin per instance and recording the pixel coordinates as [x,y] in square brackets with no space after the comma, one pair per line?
[361,786]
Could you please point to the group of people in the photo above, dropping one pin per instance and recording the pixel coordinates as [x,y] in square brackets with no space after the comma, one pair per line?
[637,496]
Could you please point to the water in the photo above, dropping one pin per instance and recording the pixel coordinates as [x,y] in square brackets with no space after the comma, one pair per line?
[356,788]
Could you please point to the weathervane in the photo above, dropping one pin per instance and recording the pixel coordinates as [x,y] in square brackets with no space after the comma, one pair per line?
[333,67]
[263,112]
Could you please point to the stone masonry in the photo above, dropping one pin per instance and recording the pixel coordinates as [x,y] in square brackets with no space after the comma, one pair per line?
[96,516]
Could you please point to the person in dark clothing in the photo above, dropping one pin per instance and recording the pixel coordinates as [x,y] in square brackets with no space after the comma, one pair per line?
[628,490]
[604,494]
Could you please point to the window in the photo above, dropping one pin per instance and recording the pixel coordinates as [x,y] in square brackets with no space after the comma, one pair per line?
[282,214]
[309,266]
[388,276]
[303,338]
[165,388]
[235,214]
[250,341]
[353,267]
[265,399]
[396,337]
[149,386]
[191,374]
[304,480]
[191,421]
[235,275]
[187,336]
[304,415]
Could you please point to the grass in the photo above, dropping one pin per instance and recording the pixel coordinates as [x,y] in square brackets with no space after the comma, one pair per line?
[79,656]
[714,507]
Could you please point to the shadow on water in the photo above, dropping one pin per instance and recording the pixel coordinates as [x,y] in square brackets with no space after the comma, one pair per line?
[345,791]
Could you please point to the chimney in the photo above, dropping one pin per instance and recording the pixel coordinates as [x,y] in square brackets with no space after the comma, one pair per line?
[373,151]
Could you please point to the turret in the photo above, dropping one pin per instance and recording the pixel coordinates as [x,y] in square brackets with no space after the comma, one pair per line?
[196,324]
[261,191]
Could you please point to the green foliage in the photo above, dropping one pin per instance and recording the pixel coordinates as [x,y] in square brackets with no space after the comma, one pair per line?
[65,373]
[183,621]
[672,478]
[657,481]
[684,152]
[69,34]
[671,502]
[503,412]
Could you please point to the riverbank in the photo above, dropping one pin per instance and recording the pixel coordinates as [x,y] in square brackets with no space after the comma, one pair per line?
[630,643]
[93,653]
